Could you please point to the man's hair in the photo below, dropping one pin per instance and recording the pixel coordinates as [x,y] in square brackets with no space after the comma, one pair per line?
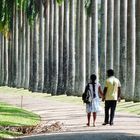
[110,72]
[93,77]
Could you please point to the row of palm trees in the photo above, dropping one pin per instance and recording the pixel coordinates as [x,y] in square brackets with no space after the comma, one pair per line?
[53,46]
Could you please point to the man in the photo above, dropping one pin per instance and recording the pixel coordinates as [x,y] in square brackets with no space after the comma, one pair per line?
[112,94]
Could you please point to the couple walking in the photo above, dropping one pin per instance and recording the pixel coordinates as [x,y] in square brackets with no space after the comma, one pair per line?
[110,94]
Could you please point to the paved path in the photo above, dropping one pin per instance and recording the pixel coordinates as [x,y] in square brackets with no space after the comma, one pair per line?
[73,116]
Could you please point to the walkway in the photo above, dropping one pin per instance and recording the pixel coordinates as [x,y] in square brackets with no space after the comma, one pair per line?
[73,116]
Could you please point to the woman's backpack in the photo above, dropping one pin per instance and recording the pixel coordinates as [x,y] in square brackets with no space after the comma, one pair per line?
[87,95]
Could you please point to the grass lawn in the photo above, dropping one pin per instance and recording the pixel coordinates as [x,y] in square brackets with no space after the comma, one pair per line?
[13,116]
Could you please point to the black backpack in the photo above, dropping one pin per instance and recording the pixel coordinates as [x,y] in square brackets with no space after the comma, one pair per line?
[86,95]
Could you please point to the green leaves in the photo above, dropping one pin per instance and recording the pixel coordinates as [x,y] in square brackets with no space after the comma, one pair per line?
[59,1]
[88,4]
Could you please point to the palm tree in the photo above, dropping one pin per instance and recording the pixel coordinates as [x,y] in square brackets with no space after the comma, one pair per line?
[130,51]
[46,47]
[94,36]
[82,54]
[116,37]
[123,45]
[51,45]
[88,47]
[77,37]
[55,51]
[103,41]
[110,26]
[5,61]
[71,70]
[60,69]
[137,76]
[41,48]
[66,45]
[27,55]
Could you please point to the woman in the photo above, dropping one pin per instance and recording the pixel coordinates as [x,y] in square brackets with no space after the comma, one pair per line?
[95,92]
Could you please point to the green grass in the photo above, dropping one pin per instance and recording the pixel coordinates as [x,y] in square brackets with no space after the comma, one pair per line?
[14,116]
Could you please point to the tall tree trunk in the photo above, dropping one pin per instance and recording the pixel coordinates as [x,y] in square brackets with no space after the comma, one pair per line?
[137,76]
[103,41]
[46,47]
[77,46]
[66,45]
[60,69]
[41,49]
[20,32]
[88,48]
[27,55]
[16,46]
[31,74]
[94,36]
[123,45]
[23,50]
[71,71]
[117,37]
[82,56]
[35,57]
[55,51]
[130,51]
[51,45]
[0,59]
[5,61]
[110,26]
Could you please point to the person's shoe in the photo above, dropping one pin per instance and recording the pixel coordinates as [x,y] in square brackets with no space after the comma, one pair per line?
[104,123]
[88,124]
[111,123]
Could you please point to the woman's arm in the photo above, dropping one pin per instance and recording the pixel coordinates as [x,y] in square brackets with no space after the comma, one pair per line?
[100,92]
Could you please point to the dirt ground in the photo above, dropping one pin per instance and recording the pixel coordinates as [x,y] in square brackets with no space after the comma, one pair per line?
[72,118]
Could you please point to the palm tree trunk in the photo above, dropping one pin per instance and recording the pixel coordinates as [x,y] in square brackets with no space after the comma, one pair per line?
[66,46]
[55,51]
[137,76]
[0,59]
[71,71]
[46,47]
[94,36]
[82,51]
[27,55]
[77,46]
[123,45]
[51,46]
[103,41]
[110,26]
[41,49]
[60,69]
[130,51]
[117,37]
[88,48]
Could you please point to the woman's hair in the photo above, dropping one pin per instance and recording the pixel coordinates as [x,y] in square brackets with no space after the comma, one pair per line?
[93,77]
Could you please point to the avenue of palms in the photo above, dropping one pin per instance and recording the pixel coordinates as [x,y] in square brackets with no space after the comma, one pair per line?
[53,46]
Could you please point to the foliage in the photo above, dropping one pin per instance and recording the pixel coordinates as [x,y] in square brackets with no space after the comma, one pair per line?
[6,6]
[59,1]
[88,4]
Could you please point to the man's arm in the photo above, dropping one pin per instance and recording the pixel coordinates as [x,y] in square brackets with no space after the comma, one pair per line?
[104,93]
[119,94]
